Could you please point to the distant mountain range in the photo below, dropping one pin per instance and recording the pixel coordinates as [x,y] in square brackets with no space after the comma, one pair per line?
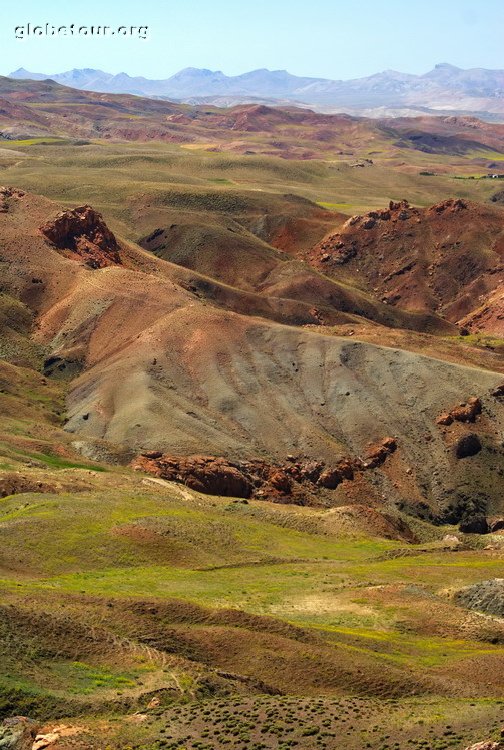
[445,89]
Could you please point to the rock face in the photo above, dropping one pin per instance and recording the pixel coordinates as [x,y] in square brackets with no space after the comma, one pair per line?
[467,446]
[488,745]
[83,232]
[243,479]
[17,733]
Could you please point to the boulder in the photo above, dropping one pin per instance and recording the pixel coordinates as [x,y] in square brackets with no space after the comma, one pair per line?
[330,479]
[399,205]
[378,454]
[370,223]
[468,411]
[280,481]
[467,446]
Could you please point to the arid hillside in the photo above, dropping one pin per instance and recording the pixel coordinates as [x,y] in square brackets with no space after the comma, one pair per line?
[446,259]
[164,358]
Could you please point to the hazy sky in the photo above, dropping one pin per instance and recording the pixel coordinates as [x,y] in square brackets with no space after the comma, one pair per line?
[327,38]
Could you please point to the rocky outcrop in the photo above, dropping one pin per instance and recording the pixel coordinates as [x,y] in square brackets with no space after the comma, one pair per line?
[331,478]
[425,260]
[17,733]
[341,248]
[477,524]
[378,453]
[207,474]
[487,597]
[466,411]
[244,479]
[453,205]
[487,745]
[82,232]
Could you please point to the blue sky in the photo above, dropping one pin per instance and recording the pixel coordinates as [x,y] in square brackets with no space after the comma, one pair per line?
[326,38]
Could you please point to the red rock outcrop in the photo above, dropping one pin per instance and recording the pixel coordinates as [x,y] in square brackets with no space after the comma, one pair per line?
[284,483]
[464,412]
[207,474]
[83,232]
[453,205]
[378,454]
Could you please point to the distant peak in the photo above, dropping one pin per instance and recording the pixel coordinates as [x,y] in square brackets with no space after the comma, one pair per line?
[446,66]
[200,71]
[85,72]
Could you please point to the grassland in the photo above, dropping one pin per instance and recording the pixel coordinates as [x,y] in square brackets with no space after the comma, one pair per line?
[116,590]
[163,595]
[120,178]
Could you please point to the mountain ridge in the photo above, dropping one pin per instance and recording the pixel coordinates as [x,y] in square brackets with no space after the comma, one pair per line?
[445,88]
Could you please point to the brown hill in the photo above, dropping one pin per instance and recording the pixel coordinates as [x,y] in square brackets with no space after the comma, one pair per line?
[444,259]
[225,252]
[449,135]
[45,107]
[175,362]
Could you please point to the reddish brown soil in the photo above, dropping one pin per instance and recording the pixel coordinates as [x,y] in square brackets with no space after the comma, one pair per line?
[442,259]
